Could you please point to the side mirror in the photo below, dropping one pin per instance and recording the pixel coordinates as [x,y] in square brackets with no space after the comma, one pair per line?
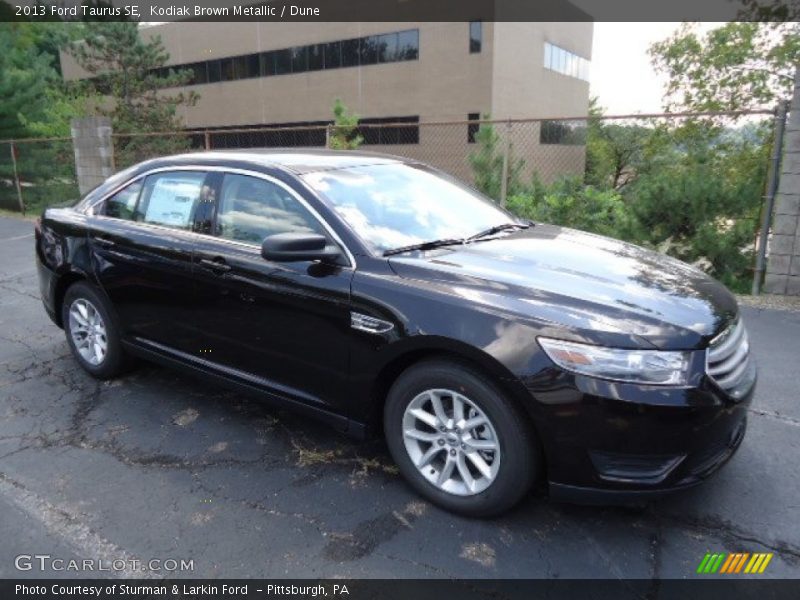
[293,247]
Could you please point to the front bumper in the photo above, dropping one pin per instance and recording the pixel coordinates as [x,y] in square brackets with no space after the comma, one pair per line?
[609,442]
[703,469]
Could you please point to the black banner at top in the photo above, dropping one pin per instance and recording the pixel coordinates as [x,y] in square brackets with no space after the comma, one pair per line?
[401,10]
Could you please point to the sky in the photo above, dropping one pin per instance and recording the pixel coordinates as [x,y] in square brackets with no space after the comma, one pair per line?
[622,75]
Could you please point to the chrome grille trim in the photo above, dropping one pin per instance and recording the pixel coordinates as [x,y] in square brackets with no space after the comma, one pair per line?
[728,357]
[727,342]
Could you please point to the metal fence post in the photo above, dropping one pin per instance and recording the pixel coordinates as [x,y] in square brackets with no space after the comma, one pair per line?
[13,147]
[771,189]
[328,135]
[506,152]
[207,140]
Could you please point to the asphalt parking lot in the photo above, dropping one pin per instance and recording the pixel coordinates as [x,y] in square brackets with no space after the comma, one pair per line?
[161,465]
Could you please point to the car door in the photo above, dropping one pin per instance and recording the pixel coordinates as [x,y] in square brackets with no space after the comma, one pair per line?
[286,325]
[142,239]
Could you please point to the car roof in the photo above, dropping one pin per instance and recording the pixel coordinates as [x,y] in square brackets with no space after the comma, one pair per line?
[294,160]
[298,161]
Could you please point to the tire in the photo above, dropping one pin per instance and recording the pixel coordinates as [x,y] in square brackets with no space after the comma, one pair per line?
[93,310]
[508,471]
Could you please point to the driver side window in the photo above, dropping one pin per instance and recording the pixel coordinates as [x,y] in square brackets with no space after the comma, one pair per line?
[251,209]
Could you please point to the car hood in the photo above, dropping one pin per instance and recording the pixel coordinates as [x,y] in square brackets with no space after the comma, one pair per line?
[582,282]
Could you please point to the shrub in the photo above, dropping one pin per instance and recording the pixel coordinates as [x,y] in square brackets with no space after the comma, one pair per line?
[699,200]
[487,164]
[344,134]
[570,203]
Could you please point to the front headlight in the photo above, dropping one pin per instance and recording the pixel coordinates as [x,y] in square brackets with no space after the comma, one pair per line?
[653,367]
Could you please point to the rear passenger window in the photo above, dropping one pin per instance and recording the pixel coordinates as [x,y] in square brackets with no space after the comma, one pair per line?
[250,209]
[171,199]
[122,205]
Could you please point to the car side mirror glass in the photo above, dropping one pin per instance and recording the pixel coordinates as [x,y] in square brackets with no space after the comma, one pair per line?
[299,246]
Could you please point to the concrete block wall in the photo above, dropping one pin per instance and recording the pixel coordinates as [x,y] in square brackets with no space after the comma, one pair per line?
[94,151]
[783,265]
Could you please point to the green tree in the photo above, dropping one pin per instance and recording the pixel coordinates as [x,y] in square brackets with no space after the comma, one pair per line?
[344,132]
[25,75]
[571,203]
[696,196]
[34,102]
[613,150]
[731,67]
[486,162]
[131,72]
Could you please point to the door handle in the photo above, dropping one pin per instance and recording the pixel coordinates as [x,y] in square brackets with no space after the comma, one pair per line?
[104,241]
[218,266]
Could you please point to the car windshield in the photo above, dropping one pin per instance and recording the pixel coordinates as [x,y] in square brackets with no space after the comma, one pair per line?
[396,205]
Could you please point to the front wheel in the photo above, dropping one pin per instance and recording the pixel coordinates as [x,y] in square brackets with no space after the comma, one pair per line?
[458,440]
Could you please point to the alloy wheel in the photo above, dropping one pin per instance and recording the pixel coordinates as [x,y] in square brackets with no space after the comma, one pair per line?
[451,442]
[88,331]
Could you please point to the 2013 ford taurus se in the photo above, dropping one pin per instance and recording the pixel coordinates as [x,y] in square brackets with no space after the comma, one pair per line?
[379,294]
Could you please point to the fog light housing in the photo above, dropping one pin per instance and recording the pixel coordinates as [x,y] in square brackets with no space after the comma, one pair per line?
[634,468]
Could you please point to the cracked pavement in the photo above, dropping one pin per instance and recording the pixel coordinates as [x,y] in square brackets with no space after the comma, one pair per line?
[161,465]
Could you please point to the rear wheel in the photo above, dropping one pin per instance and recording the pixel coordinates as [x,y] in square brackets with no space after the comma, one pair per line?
[92,334]
[458,440]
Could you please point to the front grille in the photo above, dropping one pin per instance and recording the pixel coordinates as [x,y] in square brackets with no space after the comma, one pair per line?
[728,360]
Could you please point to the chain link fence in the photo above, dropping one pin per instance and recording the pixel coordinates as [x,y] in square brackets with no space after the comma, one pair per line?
[652,179]
[513,152]
[690,184]
[37,173]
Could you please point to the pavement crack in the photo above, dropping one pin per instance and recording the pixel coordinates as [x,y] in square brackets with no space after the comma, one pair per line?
[775,415]
[655,561]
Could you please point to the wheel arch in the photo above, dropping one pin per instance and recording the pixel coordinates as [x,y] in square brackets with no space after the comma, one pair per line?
[64,282]
[432,348]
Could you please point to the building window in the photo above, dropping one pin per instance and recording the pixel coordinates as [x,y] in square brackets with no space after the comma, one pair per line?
[283,61]
[199,73]
[565,62]
[316,57]
[408,45]
[267,64]
[376,131]
[472,128]
[214,71]
[299,59]
[475,36]
[387,48]
[375,135]
[369,50]
[350,56]
[563,133]
[252,66]
[333,55]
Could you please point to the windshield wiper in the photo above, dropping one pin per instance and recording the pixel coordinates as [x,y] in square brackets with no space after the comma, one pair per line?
[456,241]
[497,229]
[425,246]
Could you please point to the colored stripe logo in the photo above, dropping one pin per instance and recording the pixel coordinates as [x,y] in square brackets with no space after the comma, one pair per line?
[734,563]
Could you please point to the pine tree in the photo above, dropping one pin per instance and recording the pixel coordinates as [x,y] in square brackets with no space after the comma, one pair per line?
[24,76]
[344,134]
[131,72]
